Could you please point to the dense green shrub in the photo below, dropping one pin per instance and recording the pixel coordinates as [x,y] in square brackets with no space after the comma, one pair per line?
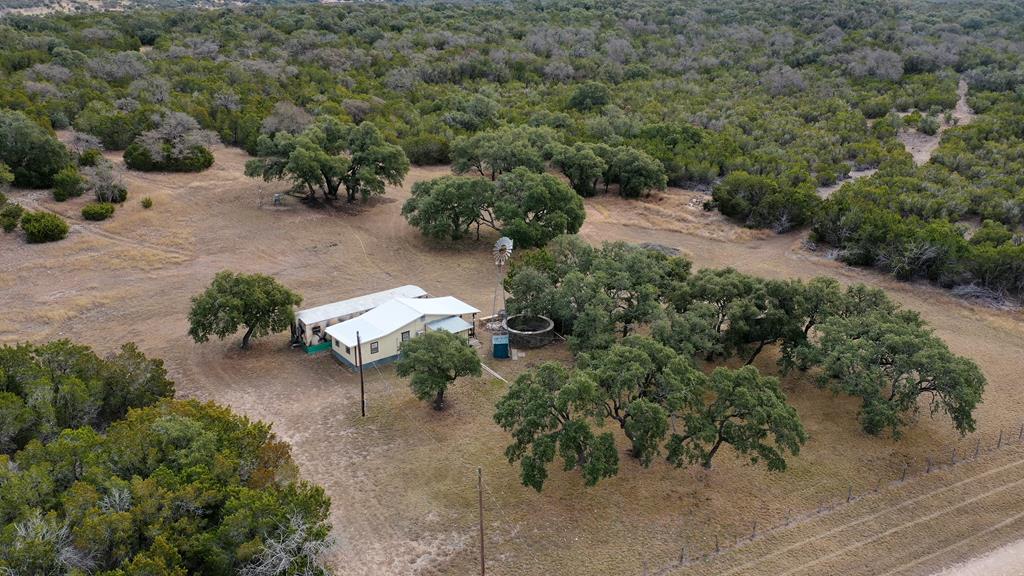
[89,157]
[32,154]
[63,385]
[147,202]
[426,150]
[762,202]
[10,216]
[68,183]
[43,226]
[97,211]
[196,159]
[115,128]
[590,95]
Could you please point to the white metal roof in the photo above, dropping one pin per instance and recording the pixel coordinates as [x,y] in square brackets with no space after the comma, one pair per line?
[393,315]
[357,305]
[453,324]
[442,306]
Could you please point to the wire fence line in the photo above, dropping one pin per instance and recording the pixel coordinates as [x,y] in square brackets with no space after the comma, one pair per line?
[722,542]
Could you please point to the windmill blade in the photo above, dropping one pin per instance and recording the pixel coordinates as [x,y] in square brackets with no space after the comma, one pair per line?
[502,250]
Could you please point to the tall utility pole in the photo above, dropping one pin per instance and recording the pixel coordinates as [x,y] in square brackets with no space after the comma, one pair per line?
[359,360]
[480,495]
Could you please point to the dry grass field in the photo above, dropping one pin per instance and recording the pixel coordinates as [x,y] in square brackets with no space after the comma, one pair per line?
[403,479]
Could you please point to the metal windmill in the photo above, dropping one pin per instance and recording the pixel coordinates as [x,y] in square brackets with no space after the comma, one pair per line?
[502,252]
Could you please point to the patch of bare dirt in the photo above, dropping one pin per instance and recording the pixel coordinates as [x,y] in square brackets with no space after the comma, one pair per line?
[1006,561]
[826,191]
[921,146]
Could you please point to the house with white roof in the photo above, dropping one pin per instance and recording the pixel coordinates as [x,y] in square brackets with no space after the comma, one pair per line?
[311,324]
[382,330]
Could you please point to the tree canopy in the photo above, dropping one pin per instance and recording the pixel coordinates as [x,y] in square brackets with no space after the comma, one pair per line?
[103,472]
[175,488]
[450,206]
[254,301]
[641,385]
[889,361]
[530,208]
[47,388]
[433,361]
[547,414]
[32,154]
[534,208]
[642,325]
[330,154]
[766,105]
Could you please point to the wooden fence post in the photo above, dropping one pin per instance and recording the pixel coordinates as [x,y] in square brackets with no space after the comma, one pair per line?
[849,493]
[904,475]
[952,459]
[928,468]
[977,449]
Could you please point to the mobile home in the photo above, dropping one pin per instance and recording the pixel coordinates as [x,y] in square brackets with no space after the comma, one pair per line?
[310,328]
[383,329]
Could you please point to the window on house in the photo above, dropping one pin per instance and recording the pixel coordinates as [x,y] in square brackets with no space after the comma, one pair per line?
[374,347]
[347,350]
[406,336]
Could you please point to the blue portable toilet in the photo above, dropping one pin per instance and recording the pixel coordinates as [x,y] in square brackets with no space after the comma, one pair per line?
[499,346]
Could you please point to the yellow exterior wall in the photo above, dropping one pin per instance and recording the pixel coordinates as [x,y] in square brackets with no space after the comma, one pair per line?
[388,345]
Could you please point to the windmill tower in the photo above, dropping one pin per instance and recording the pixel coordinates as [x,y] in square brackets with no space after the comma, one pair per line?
[502,252]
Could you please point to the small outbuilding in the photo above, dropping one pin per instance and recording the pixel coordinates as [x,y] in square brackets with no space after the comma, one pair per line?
[311,325]
[383,329]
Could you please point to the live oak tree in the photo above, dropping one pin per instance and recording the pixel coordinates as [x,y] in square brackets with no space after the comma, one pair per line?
[373,162]
[254,301]
[529,208]
[642,385]
[330,154]
[888,360]
[636,172]
[547,411]
[450,206]
[493,153]
[629,376]
[736,407]
[580,165]
[598,297]
[433,361]
[634,279]
[534,208]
